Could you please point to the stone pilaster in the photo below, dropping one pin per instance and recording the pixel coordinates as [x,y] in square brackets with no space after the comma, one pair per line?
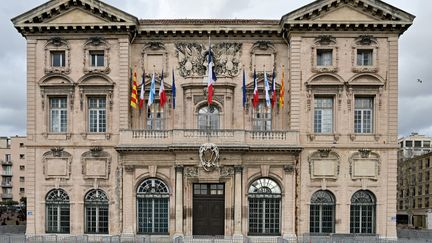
[238,200]
[288,202]
[179,201]
[129,221]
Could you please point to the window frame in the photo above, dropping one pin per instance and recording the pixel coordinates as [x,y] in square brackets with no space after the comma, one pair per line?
[57,45]
[322,58]
[58,205]
[362,110]
[360,207]
[325,42]
[99,203]
[95,58]
[332,109]
[99,129]
[94,45]
[60,110]
[209,117]
[365,42]
[360,57]
[62,60]
[264,124]
[155,123]
[320,206]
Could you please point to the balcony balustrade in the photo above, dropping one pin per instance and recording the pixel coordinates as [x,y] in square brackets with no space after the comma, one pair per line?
[6,184]
[197,137]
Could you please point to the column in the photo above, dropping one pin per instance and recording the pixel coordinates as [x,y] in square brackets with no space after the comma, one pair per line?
[238,169]
[129,219]
[288,202]
[179,201]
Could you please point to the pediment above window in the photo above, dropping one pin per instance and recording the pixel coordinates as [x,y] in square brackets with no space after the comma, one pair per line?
[366,80]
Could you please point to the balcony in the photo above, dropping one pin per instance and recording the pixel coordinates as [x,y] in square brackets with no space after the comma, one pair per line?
[6,162]
[7,196]
[6,184]
[6,173]
[195,137]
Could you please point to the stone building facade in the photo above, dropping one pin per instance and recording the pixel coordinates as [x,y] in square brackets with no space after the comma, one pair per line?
[13,171]
[325,162]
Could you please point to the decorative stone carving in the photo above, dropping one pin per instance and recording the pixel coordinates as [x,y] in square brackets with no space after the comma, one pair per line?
[191,171]
[179,168]
[192,58]
[365,164]
[324,164]
[226,171]
[263,53]
[96,163]
[96,43]
[155,53]
[325,40]
[129,168]
[57,164]
[289,168]
[209,156]
[238,168]
[366,40]
[57,44]
[200,98]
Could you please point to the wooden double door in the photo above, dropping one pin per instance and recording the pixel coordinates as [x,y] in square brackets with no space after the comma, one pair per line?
[208,209]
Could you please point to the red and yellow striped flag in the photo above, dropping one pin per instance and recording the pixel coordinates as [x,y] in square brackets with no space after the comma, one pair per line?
[134,95]
[282,91]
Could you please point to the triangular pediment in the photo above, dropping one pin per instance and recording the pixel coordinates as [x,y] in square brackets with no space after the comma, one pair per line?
[347,11]
[67,13]
[77,16]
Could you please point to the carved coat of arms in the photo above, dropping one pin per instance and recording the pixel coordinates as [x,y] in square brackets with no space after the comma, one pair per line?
[209,156]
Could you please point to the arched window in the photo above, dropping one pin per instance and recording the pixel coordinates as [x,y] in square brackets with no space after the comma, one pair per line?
[96,212]
[262,117]
[322,212]
[264,207]
[363,205]
[208,117]
[57,211]
[152,207]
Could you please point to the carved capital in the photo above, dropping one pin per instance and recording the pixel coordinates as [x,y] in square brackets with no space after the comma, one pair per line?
[57,151]
[96,151]
[238,168]
[289,168]
[324,153]
[129,168]
[364,153]
[179,168]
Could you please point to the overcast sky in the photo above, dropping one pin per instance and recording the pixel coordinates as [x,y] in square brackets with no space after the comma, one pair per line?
[415,98]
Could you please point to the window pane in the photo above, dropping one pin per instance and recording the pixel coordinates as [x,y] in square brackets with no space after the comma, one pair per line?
[364,57]
[155,117]
[323,115]
[363,115]
[208,118]
[58,114]
[97,114]
[58,59]
[262,118]
[324,57]
[97,58]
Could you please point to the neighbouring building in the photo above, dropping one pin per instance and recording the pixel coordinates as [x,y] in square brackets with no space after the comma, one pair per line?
[13,172]
[324,162]
[414,184]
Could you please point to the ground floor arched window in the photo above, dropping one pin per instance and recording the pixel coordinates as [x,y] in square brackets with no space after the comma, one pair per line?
[152,207]
[363,209]
[57,214]
[322,212]
[96,212]
[264,207]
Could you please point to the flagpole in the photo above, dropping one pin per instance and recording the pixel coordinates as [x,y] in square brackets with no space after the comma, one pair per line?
[208,104]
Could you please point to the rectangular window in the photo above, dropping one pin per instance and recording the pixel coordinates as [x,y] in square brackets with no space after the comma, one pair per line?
[408,143]
[21,145]
[324,57]
[8,157]
[58,114]
[262,118]
[58,59]
[417,144]
[364,57]
[426,144]
[155,117]
[22,190]
[22,167]
[363,115]
[22,156]
[97,114]
[22,179]
[97,58]
[323,115]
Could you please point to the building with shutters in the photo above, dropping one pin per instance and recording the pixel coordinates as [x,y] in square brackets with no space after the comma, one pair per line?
[324,162]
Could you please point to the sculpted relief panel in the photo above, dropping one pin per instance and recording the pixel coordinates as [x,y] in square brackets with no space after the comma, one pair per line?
[193,59]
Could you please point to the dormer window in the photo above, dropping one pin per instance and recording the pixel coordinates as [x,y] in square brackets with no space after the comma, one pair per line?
[58,59]
[97,58]
[324,57]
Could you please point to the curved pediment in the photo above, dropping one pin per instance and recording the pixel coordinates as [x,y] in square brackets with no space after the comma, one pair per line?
[366,80]
[325,80]
[56,80]
[95,80]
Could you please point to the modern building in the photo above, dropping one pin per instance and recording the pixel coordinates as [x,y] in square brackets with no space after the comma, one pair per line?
[415,191]
[13,171]
[414,145]
[324,162]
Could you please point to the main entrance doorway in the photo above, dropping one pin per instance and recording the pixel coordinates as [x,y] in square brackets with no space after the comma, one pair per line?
[208,209]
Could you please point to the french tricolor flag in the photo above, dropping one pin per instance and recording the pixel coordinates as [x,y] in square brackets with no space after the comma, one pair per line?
[255,93]
[211,77]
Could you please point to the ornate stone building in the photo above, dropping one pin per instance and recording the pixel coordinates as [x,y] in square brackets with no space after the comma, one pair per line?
[325,162]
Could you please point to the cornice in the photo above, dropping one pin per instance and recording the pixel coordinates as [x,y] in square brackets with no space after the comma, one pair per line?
[225,148]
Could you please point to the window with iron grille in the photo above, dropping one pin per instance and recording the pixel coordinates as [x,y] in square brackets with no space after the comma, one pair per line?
[322,212]
[362,215]
[96,212]
[97,114]
[155,117]
[58,114]
[264,207]
[152,207]
[262,118]
[57,212]
[323,115]
[208,118]
[363,115]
